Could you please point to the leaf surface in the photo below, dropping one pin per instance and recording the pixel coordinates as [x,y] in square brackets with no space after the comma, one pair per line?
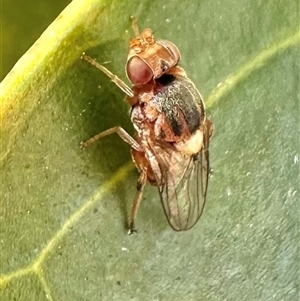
[64,210]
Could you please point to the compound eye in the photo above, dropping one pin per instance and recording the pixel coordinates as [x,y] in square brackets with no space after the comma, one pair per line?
[173,50]
[138,72]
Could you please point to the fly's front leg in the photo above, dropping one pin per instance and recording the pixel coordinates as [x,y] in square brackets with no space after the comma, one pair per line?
[112,76]
[120,131]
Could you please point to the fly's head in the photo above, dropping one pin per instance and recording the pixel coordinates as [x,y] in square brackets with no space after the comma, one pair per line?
[149,59]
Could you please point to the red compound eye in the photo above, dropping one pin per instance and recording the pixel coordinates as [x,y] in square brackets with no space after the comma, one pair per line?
[173,50]
[138,72]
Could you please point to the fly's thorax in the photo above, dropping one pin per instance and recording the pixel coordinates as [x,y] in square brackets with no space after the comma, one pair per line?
[141,94]
[143,125]
[170,108]
[181,106]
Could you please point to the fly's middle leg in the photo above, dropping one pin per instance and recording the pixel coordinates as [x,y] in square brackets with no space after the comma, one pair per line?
[120,131]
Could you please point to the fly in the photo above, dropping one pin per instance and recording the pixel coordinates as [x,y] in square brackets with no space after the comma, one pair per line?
[170,147]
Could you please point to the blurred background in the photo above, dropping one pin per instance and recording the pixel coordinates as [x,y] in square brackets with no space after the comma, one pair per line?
[22,22]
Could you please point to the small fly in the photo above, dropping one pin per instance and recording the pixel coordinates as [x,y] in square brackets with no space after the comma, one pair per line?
[171,143]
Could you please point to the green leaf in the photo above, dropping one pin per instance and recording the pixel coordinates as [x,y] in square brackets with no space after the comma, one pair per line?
[64,210]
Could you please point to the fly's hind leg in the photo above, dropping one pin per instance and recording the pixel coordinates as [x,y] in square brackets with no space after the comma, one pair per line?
[137,201]
[146,175]
[138,154]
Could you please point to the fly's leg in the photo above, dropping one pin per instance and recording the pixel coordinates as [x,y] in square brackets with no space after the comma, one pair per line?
[146,175]
[143,176]
[120,131]
[137,201]
[112,76]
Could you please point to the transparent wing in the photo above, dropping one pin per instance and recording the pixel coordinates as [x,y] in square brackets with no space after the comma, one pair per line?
[183,184]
